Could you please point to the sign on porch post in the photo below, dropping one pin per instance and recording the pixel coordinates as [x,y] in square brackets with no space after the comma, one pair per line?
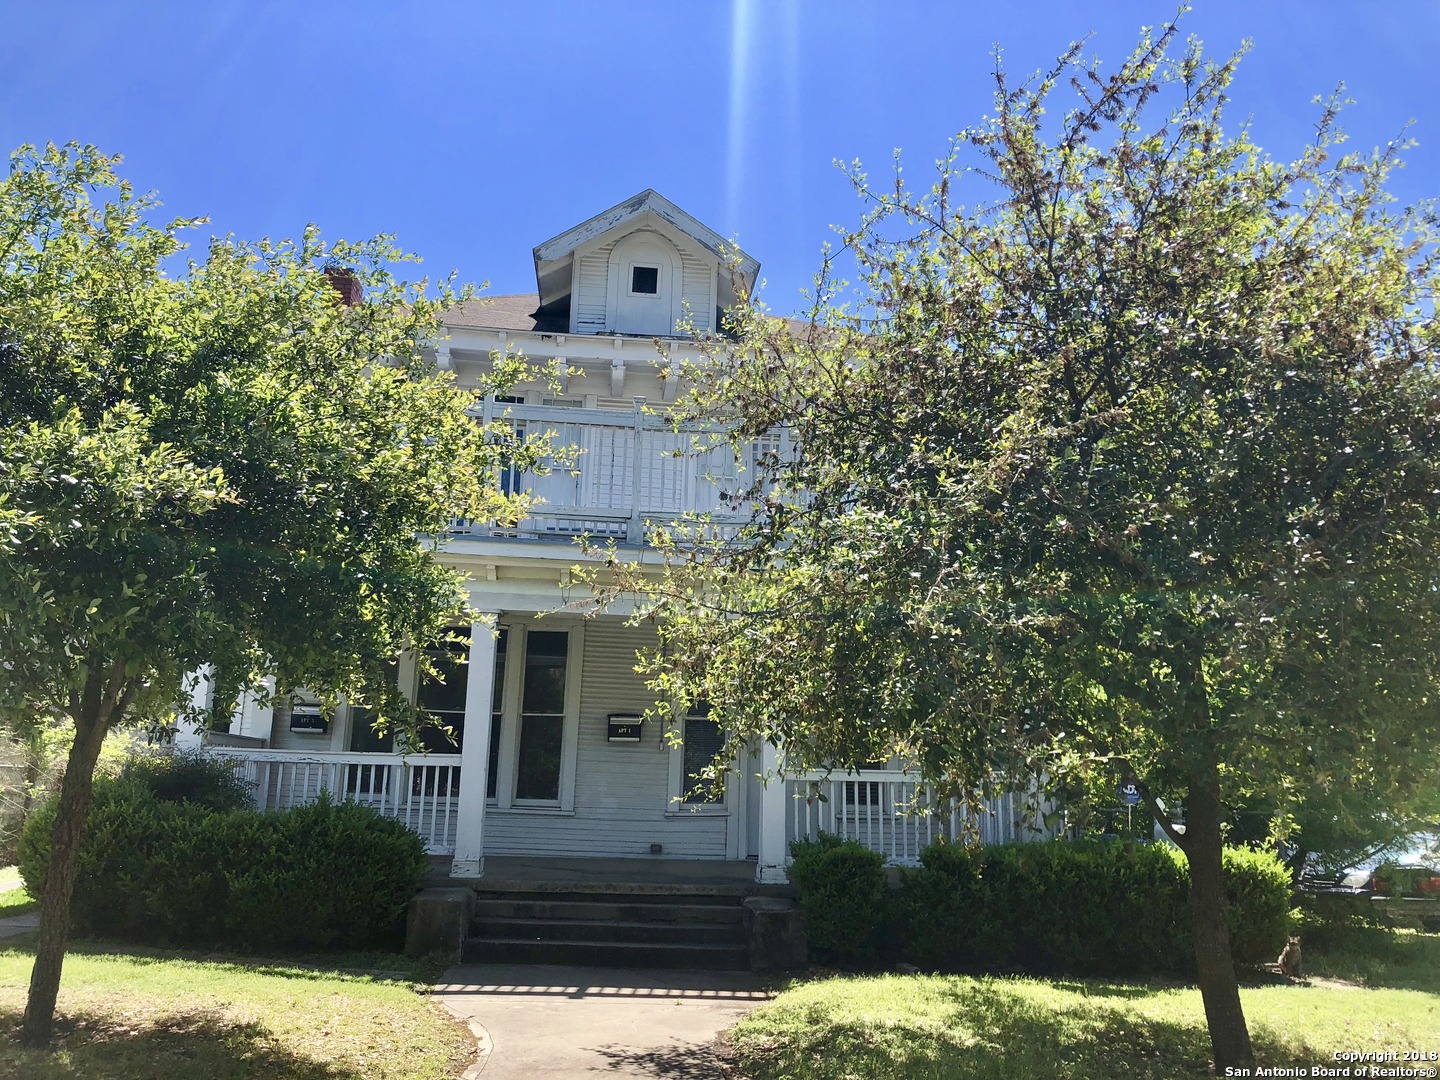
[469,858]
[770,866]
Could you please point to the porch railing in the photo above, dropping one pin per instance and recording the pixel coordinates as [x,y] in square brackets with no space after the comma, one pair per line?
[420,790]
[895,813]
[614,473]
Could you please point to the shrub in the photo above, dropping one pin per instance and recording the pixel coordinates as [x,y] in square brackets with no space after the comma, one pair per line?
[210,782]
[840,886]
[1260,916]
[1086,908]
[180,873]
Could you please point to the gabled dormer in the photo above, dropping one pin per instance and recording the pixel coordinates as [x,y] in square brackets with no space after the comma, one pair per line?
[642,267]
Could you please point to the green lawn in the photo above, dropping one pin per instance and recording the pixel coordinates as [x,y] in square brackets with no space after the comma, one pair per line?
[127,1016]
[14,901]
[952,1026]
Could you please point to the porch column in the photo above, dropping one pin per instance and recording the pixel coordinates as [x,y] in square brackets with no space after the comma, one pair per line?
[770,866]
[469,858]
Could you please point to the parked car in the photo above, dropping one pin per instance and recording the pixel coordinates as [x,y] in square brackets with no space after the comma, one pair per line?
[1408,869]
[1406,879]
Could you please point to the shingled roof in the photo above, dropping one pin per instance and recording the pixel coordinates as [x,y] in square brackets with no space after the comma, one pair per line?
[518,311]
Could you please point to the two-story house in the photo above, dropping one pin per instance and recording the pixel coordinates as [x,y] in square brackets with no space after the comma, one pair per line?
[550,755]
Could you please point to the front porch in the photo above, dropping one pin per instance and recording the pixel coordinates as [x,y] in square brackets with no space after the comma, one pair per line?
[888,811]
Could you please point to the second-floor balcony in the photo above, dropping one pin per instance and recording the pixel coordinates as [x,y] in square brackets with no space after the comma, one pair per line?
[613,475]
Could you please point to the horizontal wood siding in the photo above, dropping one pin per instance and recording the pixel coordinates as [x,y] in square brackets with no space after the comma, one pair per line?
[588,303]
[282,738]
[621,790]
[699,291]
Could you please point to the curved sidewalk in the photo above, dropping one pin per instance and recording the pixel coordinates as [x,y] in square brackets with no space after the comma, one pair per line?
[560,1023]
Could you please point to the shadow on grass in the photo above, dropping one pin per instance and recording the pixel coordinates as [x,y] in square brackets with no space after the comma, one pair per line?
[1378,957]
[198,1044]
[989,1033]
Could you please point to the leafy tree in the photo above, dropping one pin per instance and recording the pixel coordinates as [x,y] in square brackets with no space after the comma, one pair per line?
[1337,825]
[1131,463]
[234,466]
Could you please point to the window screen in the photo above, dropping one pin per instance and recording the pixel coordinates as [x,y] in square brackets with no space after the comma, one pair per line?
[703,743]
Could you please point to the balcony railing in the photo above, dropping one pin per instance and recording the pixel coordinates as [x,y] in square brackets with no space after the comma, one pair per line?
[898,815]
[614,474]
[423,791]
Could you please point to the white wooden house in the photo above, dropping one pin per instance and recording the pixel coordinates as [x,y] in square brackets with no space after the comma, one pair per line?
[552,758]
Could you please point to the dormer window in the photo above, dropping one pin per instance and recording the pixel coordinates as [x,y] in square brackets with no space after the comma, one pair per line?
[644,280]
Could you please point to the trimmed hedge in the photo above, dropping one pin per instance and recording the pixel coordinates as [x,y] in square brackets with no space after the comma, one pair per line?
[840,886]
[180,873]
[190,777]
[1083,908]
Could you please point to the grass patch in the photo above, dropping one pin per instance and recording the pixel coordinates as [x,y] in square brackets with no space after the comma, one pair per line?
[945,1027]
[14,901]
[17,902]
[1377,956]
[144,1013]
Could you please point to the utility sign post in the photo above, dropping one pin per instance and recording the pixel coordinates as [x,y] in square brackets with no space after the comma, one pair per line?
[1129,798]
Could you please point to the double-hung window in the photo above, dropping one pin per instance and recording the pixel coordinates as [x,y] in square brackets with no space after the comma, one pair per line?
[691,762]
[542,717]
[535,717]
[441,697]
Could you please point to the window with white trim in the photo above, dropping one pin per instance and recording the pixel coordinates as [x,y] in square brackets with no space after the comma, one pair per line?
[541,741]
[497,713]
[441,697]
[701,741]
[535,718]
[644,280]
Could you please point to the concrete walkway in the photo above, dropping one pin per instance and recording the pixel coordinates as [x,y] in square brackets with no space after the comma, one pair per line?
[15,925]
[567,1022]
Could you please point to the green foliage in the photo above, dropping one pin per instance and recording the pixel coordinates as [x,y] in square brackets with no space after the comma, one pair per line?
[1084,908]
[1121,458]
[840,886]
[324,875]
[210,782]
[1261,905]
[1128,462]
[237,467]
[228,466]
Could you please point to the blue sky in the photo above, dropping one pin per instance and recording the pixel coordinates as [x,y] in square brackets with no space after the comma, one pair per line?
[475,131]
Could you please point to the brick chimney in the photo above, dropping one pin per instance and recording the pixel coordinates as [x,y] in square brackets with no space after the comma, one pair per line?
[346,283]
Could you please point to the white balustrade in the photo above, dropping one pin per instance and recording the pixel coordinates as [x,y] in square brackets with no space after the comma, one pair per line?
[614,472]
[420,790]
[896,814]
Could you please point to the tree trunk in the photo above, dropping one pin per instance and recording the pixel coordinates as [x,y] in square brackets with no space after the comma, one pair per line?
[1229,1037]
[65,838]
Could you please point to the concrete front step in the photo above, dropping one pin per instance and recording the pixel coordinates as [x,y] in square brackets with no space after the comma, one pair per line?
[614,895]
[639,927]
[620,954]
[614,909]
[615,930]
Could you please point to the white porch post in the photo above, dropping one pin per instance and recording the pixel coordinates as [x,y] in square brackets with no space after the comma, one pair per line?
[770,866]
[469,858]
